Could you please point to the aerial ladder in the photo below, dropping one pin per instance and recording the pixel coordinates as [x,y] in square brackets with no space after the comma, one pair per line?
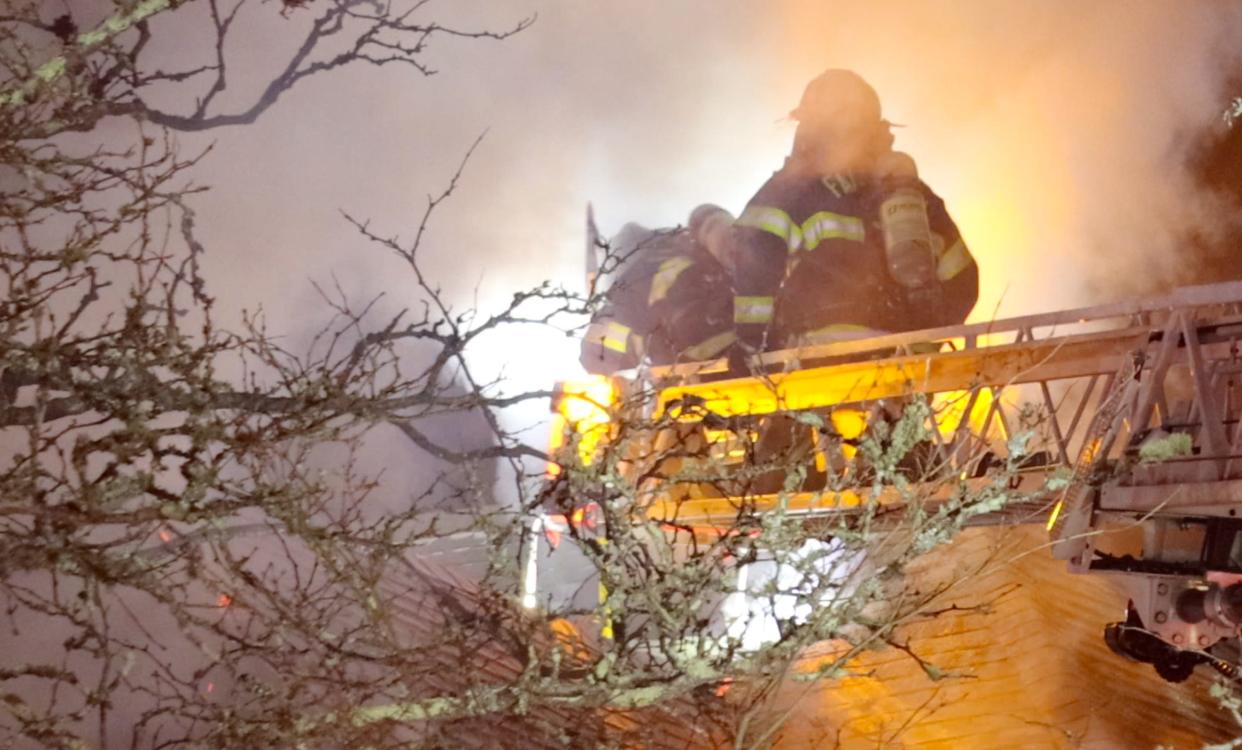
[1138,407]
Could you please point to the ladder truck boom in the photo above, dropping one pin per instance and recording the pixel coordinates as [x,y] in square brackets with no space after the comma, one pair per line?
[1140,413]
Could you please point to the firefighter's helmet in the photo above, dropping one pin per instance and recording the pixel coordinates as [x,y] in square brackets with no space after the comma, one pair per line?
[836,95]
[709,227]
[624,248]
[631,237]
[840,128]
[703,214]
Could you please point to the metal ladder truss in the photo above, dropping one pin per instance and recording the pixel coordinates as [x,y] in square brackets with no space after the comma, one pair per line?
[1136,403]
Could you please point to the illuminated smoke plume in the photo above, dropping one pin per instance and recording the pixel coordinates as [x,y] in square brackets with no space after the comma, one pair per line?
[1057,131]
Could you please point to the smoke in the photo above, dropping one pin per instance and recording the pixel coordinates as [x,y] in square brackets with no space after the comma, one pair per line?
[1056,131]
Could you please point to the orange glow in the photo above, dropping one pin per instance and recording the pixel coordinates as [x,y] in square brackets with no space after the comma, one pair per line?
[1091,450]
[849,423]
[570,638]
[979,133]
[950,411]
[582,407]
[564,629]
[223,601]
[586,400]
[165,536]
[553,536]
[556,441]
[727,445]
[996,230]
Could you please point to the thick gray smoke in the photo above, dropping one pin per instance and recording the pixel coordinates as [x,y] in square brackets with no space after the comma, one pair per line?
[1055,131]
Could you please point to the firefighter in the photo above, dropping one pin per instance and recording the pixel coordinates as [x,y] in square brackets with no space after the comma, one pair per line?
[669,299]
[829,248]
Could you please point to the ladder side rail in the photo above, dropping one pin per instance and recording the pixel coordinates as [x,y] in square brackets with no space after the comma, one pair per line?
[1002,366]
[1139,397]
[973,335]
[1128,313]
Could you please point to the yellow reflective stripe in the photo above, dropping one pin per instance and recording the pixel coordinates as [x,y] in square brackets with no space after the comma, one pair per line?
[955,260]
[823,225]
[753,309]
[710,347]
[666,276]
[826,225]
[616,337]
[774,221]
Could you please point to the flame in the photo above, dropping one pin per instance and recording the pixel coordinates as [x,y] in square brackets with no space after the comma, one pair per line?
[556,441]
[223,601]
[586,401]
[581,407]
